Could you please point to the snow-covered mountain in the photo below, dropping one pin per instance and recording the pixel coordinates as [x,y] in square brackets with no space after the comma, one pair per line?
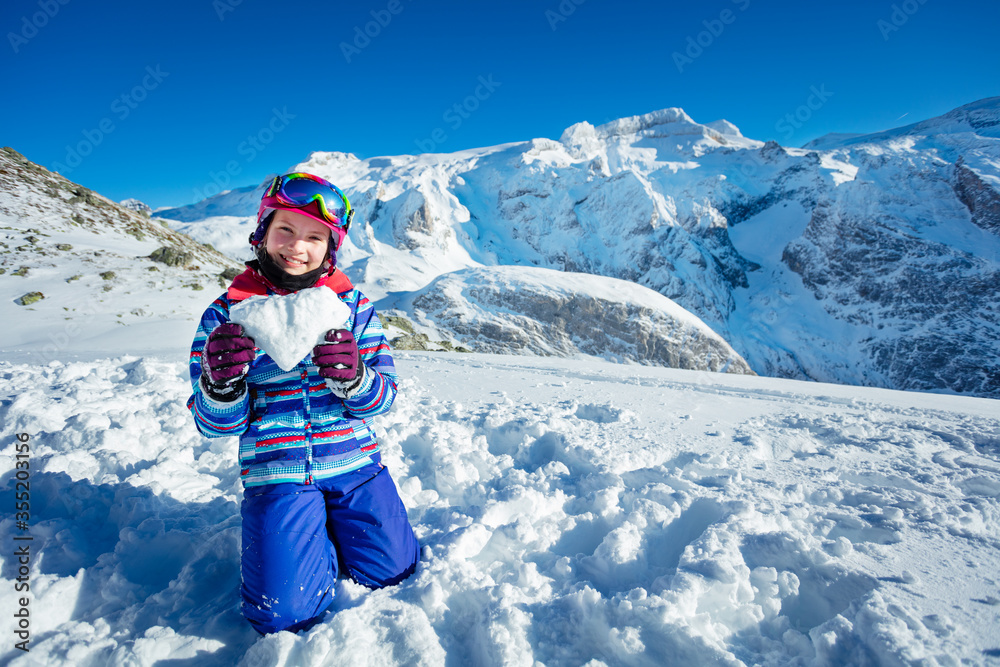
[101,294]
[869,260]
[137,206]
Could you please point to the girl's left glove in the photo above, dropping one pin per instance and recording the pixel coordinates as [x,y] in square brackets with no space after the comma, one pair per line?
[340,363]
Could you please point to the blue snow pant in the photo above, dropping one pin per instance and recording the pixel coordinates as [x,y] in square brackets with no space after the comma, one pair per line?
[297,537]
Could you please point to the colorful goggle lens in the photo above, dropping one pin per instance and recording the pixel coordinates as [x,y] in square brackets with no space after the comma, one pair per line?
[303,189]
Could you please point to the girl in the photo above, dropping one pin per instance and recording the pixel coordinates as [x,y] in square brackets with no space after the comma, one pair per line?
[317,500]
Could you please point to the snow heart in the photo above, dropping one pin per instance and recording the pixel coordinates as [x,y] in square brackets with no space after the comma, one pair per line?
[288,327]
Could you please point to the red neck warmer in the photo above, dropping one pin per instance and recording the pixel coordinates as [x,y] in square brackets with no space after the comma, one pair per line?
[251,283]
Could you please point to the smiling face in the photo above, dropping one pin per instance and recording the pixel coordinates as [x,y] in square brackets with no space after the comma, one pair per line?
[296,242]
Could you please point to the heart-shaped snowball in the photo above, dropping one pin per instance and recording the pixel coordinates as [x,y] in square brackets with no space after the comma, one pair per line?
[288,327]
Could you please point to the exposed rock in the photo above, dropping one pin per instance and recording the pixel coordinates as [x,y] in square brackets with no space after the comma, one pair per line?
[229,273]
[772,151]
[868,274]
[171,256]
[413,220]
[421,342]
[412,342]
[29,298]
[982,200]
[397,322]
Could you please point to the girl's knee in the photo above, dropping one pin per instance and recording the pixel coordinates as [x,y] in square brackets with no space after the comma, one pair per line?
[285,611]
[389,565]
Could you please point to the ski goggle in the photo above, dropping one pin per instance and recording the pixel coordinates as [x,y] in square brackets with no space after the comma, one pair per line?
[298,190]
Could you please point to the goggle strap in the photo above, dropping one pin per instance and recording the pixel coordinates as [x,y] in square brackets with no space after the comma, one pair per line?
[275,185]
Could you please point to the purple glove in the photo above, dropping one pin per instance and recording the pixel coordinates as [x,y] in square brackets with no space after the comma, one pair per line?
[226,360]
[340,362]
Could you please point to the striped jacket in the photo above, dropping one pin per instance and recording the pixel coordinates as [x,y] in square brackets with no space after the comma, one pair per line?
[292,428]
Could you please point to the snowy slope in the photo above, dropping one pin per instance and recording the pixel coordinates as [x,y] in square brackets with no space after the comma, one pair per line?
[569,513]
[888,231]
[90,259]
[221,221]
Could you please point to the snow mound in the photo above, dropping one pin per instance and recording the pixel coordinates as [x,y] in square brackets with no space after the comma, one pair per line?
[287,327]
[517,309]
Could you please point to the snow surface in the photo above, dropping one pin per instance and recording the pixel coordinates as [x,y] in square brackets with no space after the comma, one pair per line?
[570,512]
[287,327]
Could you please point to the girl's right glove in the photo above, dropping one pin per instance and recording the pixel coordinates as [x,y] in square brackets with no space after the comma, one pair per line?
[226,360]
[340,363]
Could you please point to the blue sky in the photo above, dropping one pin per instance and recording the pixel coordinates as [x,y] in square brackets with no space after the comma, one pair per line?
[168,101]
